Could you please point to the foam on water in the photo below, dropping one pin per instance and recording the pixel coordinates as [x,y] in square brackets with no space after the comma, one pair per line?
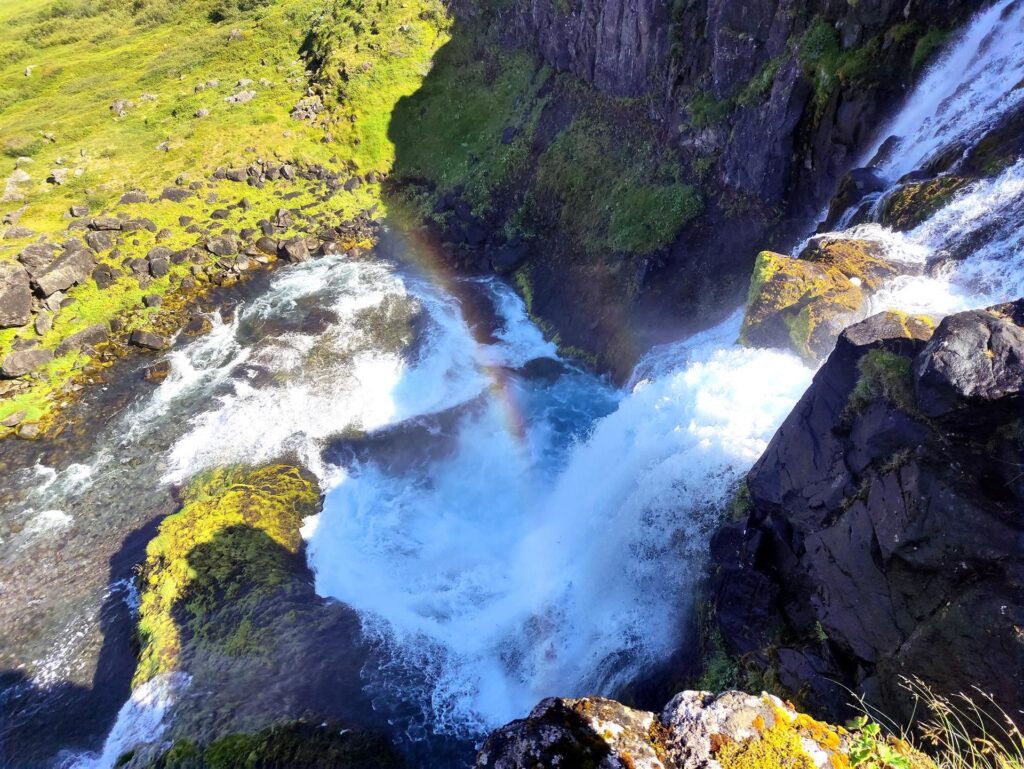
[513,570]
[141,721]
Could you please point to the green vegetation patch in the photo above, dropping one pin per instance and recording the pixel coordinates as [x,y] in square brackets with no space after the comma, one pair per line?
[612,189]
[295,745]
[826,63]
[884,374]
[235,538]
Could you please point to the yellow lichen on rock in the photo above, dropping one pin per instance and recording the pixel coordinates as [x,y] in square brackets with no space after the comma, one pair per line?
[802,304]
[272,500]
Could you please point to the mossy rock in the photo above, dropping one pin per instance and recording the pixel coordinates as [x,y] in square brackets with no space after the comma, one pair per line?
[294,745]
[803,304]
[234,536]
[916,202]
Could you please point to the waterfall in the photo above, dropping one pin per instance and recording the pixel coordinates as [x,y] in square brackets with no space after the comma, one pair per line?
[508,525]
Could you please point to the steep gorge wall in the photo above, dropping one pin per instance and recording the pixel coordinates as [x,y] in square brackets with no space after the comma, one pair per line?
[758,108]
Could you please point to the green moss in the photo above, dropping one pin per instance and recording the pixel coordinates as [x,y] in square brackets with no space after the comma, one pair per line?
[706,110]
[926,47]
[824,61]
[777,747]
[742,503]
[612,191]
[215,550]
[884,374]
[915,203]
[760,86]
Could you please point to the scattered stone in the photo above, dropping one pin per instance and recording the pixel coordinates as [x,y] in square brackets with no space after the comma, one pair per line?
[13,188]
[236,174]
[29,431]
[159,267]
[294,250]
[222,245]
[201,112]
[15,295]
[120,107]
[44,322]
[133,196]
[106,223]
[89,336]
[148,340]
[157,372]
[77,212]
[17,364]
[152,300]
[18,233]
[99,240]
[220,213]
[105,276]
[235,35]
[15,419]
[68,269]
[185,221]
[175,194]
[243,97]
[164,234]
[267,245]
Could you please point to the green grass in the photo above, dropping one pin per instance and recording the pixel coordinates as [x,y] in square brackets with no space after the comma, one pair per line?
[84,54]
[926,47]
[884,374]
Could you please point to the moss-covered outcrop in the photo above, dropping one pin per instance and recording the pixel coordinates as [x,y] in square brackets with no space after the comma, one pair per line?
[695,730]
[293,745]
[914,203]
[212,552]
[227,597]
[803,304]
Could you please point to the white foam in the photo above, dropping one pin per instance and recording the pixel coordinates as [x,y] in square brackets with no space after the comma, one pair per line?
[141,721]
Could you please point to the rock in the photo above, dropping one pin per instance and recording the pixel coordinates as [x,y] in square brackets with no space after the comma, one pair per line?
[99,240]
[148,340]
[294,250]
[37,257]
[91,335]
[236,174]
[134,225]
[58,176]
[201,112]
[242,97]
[235,35]
[17,364]
[696,730]
[856,530]
[152,300]
[509,257]
[133,196]
[44,322]
[159,267]
[15,295]
[105,223]
[77,212]
[18,233]
[70,268]
[175,194]
[29,431]
[913,203]
[157,372]
[855,186]
[13,420]
[15,185]
[222,245]
[267,245]
[120,107]
[974,360]
[803,304]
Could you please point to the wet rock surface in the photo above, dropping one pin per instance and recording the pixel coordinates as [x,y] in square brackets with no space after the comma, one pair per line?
[883,533]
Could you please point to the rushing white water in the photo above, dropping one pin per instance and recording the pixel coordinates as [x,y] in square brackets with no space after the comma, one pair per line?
[141,721]
[975,80]
[516,569]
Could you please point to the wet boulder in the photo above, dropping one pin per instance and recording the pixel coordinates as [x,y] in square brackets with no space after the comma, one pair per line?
[148,340]
[974,358]
[222,245]
[804,304]
[15,295]
[854,187]
[294,250]
[914,203]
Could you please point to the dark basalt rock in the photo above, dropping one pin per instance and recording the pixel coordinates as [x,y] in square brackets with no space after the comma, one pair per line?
[883,536]
[15,295]
[73,266]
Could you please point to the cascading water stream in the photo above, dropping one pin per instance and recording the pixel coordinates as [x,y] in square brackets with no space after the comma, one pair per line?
[507,525]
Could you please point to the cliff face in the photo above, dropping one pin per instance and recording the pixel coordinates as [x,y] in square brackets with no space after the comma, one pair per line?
[883,536]
[756,108]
